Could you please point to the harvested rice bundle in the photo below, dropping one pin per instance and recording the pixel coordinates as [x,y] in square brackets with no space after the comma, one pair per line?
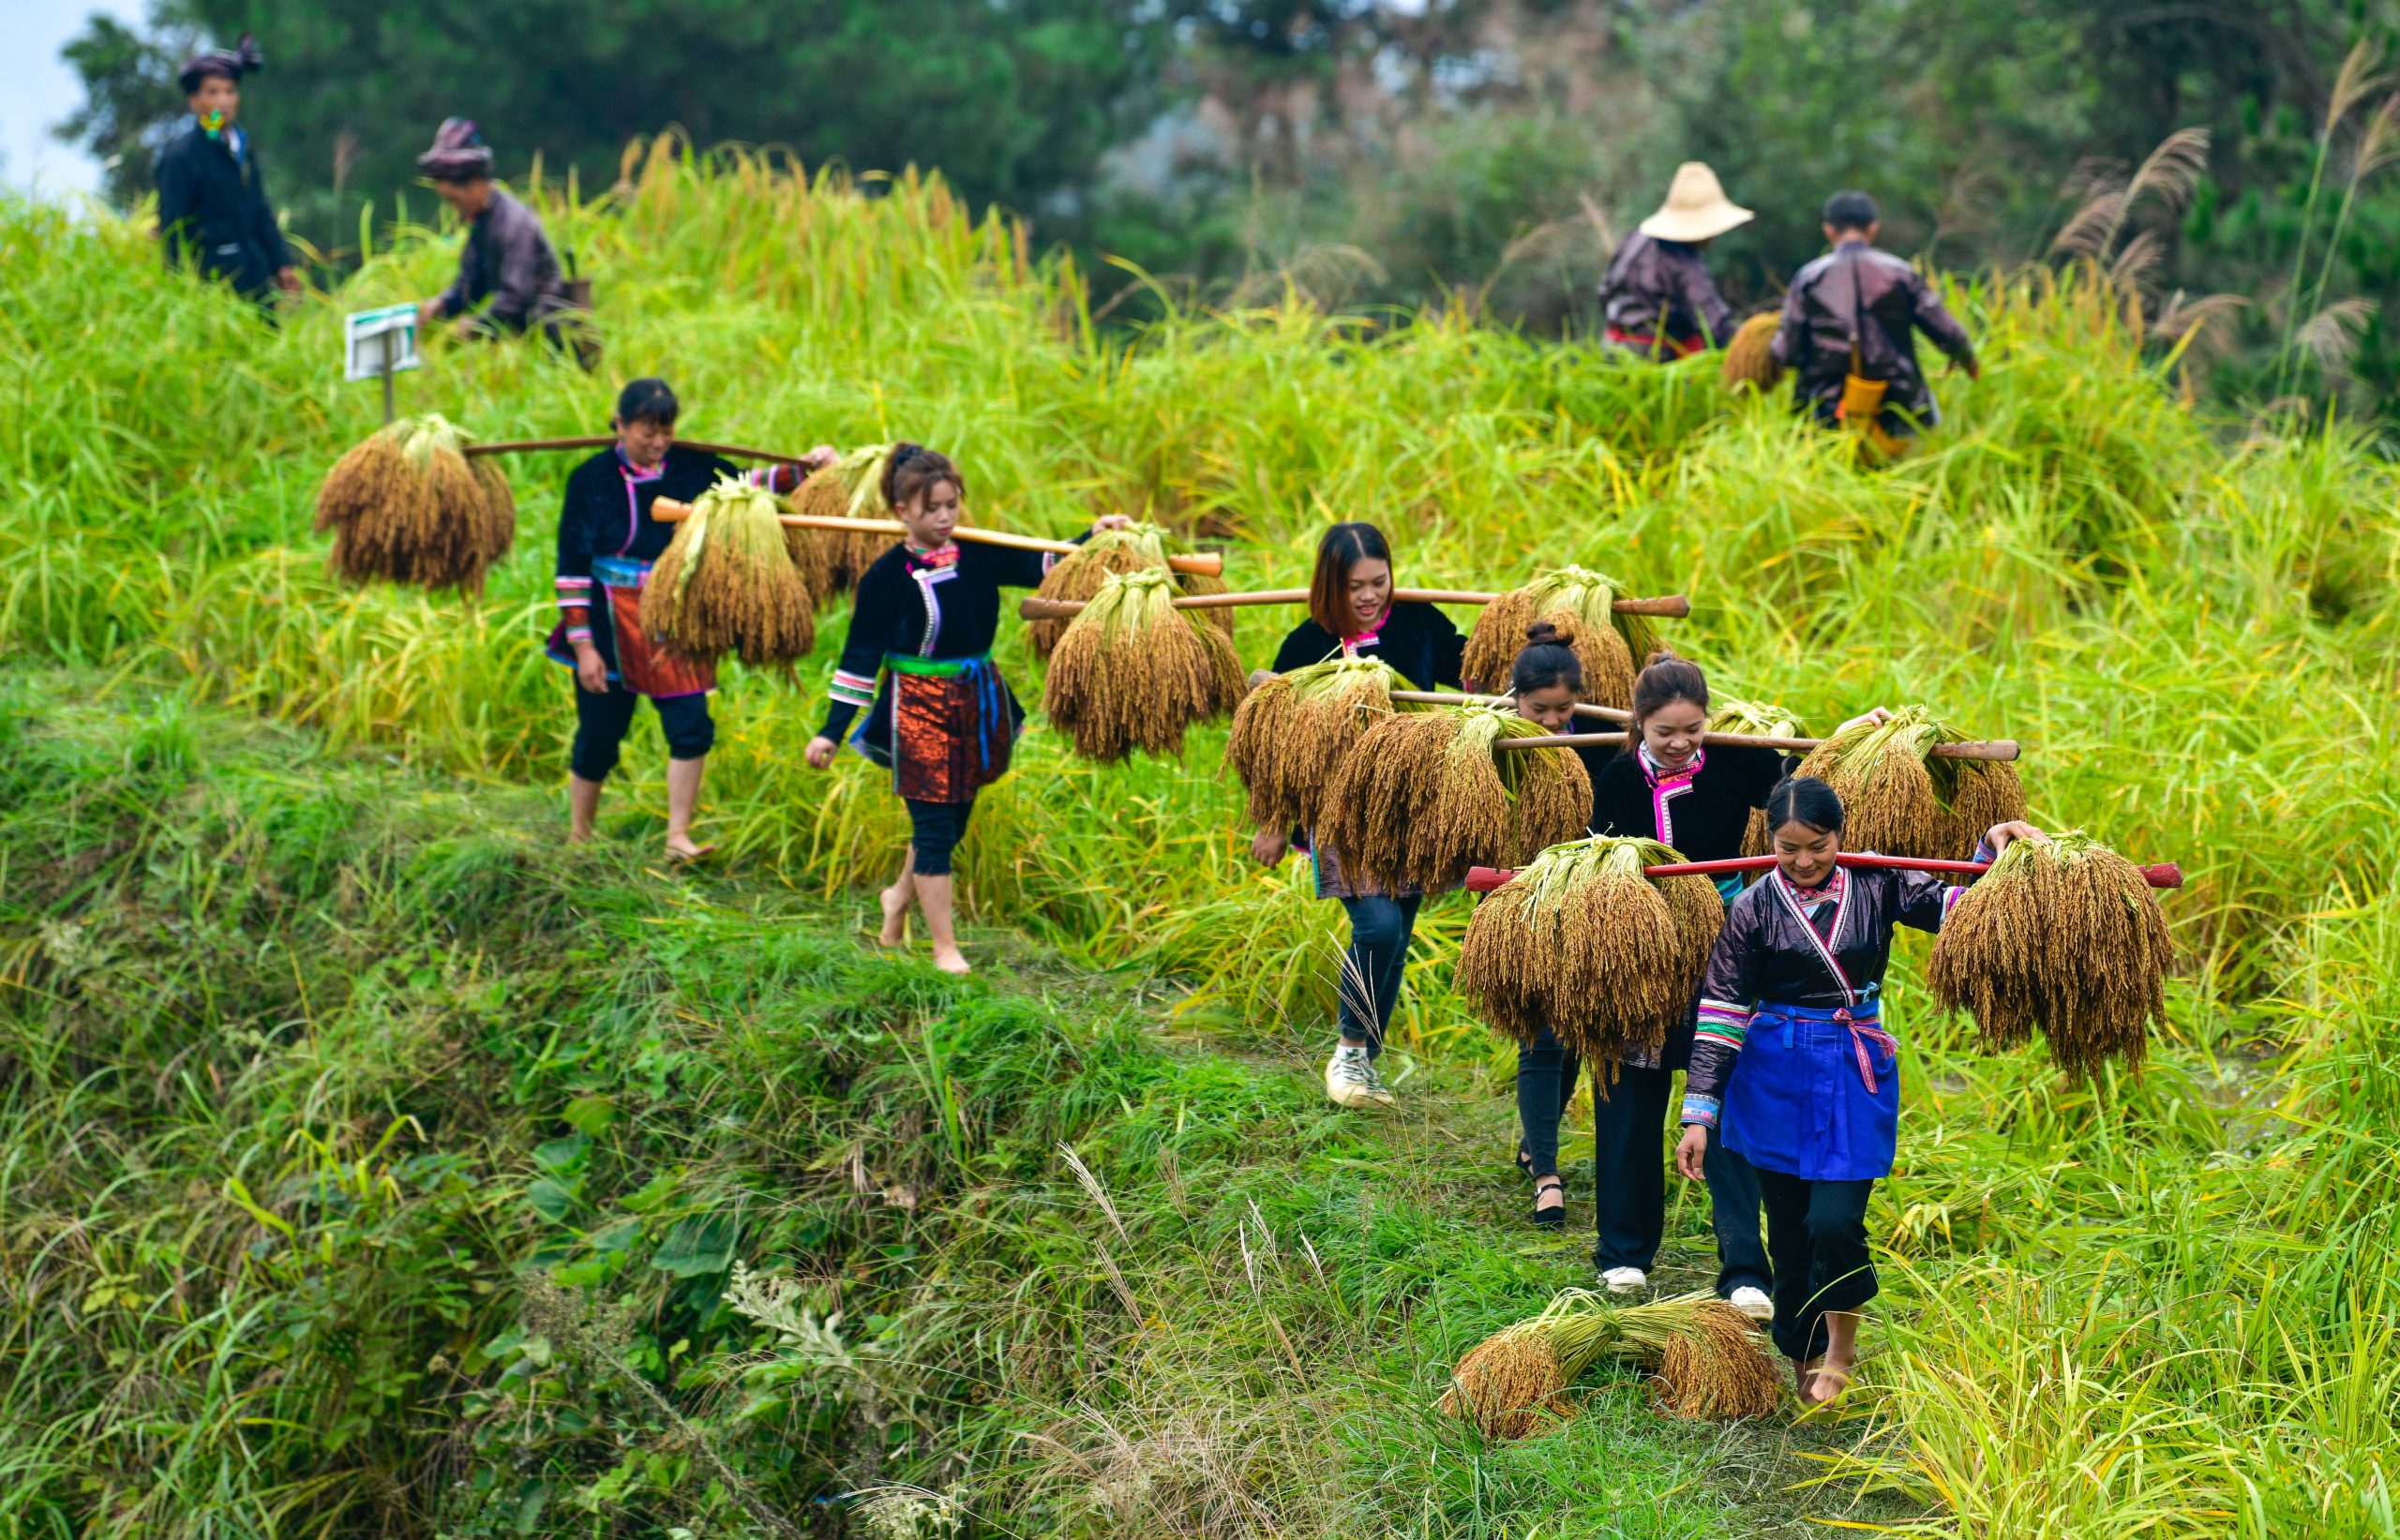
[1424,796]
[1755,719]
[1136,548]
[407,506]
[726,583]
[1514,1381]
[851,488]
[1585,945]
[2065,939]
[1718,1372]
[1901,799]
[1292,733]
[1579,603]
[1748,364]
[1133,671]
[1193,584]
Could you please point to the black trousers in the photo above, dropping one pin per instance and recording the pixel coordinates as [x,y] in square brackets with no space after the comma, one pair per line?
[1371,969]
[1629,1185]
[1545,1084]
[1816,1232]
[601,722]
[935,830]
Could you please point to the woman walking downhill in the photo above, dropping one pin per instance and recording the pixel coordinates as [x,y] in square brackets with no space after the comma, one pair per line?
[1664,785]
[1350,610]
[608,541]
[1793,1069]
[941,720]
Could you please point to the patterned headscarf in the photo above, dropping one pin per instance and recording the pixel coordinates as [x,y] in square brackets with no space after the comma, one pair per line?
[459,153]
[242,59]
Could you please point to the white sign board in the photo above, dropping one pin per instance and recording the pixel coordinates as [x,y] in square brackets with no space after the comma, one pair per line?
[377,342]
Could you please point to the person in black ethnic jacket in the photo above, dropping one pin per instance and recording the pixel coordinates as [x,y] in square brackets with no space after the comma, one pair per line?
[213,210]
[608,540]
[942,720]
[1350,610]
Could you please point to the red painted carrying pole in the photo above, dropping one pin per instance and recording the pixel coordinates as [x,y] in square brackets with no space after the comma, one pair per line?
[1482,879]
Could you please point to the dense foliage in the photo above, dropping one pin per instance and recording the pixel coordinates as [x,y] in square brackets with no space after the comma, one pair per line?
[375,1165]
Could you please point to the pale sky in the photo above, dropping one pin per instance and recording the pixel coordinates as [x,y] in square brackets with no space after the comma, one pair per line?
[44,91]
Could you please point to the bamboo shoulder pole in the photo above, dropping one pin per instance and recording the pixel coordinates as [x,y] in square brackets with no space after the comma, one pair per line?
[731,451]
[1997,748]
[1483,879]
[1202,563]
[1672,605]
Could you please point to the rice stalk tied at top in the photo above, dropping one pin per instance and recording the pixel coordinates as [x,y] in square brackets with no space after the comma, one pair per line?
[1291,735]
[726,583]
[1902,800]
[1514,1381]
[1579,603]
[1755,719]
[408,506]
[1106,554]
[851,488]
[1583,942]
[1749,359]
[1718,1372]
[2066,939]
[1133,672]
[1425,794]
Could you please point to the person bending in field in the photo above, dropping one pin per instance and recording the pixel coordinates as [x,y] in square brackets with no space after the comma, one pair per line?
[213,211]
[941,720]
[1656,297]
[608,541]
[1793,1071]
[508,266]
[1851,319]
[1350,610]
[1663,786]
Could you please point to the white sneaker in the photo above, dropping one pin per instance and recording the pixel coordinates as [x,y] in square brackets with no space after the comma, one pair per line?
[1752,1303]
[1351,1081]
[1625,1280]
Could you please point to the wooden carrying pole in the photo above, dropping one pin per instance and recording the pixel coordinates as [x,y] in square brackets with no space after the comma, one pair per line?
[1434,697]
[731,451]
[1674,606]
[1199,563]
[1483,879]
[1997,748]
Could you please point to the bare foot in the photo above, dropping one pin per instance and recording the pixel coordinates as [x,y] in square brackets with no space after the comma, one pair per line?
[680,848]
[951,959]
[1804,1374]
[896,916]
[578,836]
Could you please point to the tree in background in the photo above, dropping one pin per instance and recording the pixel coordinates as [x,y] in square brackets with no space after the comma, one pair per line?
[131,103]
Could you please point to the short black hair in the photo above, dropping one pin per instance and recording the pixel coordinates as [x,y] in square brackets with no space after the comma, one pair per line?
[647,400]
[1806,800]
[1850,210]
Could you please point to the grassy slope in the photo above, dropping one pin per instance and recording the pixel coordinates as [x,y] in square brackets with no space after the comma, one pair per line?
[2164,1308]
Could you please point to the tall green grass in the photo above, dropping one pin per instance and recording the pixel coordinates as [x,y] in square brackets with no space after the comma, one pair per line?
[2158,1309]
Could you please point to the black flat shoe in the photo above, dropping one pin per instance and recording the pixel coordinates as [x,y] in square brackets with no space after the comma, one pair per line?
[1549,1219]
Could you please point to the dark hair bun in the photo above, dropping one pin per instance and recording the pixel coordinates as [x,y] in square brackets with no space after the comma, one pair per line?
[1546,634]
[1660,656]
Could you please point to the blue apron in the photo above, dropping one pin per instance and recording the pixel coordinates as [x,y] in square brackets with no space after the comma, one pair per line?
[1816,1093]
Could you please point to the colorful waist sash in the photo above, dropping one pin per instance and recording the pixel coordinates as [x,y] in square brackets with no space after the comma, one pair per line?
[635,659]
[953,727]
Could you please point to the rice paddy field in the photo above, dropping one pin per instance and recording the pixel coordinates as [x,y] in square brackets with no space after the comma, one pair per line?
[372,1163]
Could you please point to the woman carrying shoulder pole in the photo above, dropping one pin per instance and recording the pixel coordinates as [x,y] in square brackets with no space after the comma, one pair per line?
[608,541]
[942,720]
[1350,610]
[1792,998]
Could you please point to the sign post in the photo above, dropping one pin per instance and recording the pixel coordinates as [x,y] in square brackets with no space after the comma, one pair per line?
[378,344]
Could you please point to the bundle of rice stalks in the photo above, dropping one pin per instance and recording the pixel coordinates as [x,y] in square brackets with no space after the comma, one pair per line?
[1425,796]
[1133,671]
[1512,1381]
[1901,799]
[851,488]
[1718,1372]
[1585,945]
[1291,733]
[2065,939]
[1748,364]
[406,506]
[1755,719]
[726,583]
[1579,601]
[1137,547]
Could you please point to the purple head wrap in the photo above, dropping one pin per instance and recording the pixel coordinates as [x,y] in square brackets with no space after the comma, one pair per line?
[459,153]
[242,58]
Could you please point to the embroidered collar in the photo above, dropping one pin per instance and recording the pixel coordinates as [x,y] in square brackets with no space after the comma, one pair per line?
[1800,901]
[1656,774]
[1368,637]
[945,555]
[1809,898]
[631,472]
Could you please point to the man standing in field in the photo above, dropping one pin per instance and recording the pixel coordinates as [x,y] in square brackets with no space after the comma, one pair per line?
[213,211]
[509,264]
[1849,332]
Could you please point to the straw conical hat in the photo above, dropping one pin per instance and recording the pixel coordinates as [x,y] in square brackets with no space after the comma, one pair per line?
[1696,208]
